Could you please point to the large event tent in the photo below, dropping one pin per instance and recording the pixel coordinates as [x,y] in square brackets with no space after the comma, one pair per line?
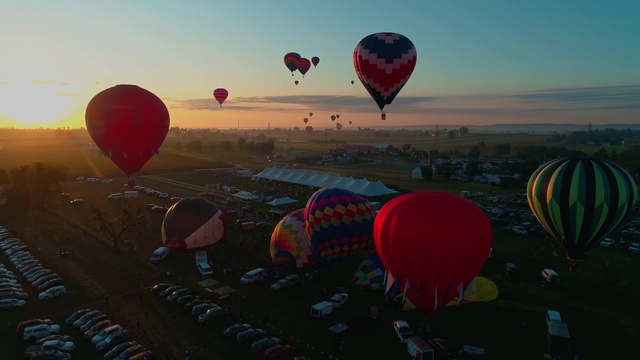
[362,187]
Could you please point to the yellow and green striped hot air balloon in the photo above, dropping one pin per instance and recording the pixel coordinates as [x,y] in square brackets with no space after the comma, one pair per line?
[580,200]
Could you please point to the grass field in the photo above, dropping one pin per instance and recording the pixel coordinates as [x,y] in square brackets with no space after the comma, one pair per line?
[598,301]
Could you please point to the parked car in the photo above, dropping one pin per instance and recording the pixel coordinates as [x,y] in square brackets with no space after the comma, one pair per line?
[182,300]
[113,340]
[287,282]
[168,291]
[339,299]
[234,329]
[193,303]
[94,320]
[402,330]
[264,343]
[96,328]
[213,313]
[634,248]
[85,317]
[250,336]
[76,315]
[145,355]
[51,282]
[50,355]
[202,308]
[606,242]
[131,351]
[52,292]
[176,294]
[116,350]
[26,323]
[552,315]
[76,202]
[550,276]
[278,352]
[106,333]
[158,288]
[54,337]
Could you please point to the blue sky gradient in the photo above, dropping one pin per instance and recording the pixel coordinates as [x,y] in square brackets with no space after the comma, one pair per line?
[479,62]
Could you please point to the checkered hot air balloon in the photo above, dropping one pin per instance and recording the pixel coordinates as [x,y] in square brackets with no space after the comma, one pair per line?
[370,273]
[339,223]
[384,62]
[580,200]
[289,245]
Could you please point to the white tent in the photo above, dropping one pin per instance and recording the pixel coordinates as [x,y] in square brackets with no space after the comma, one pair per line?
[245,195]
[281,201]
[323,180]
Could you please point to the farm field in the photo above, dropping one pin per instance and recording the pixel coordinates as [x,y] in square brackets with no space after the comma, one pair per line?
[602,294]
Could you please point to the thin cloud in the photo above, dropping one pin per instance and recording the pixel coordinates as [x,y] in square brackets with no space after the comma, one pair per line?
[67,94]
[42,82]
[4,83]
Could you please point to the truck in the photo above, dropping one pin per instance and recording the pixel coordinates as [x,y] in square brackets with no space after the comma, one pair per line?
[322,309]
[419,349]
[558,337]
[202,264]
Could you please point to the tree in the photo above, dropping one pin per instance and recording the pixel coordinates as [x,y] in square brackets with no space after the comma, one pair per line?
[179,146]
[308,129]
[445,169]
[473,168]
[226,146]
[194,146]
[503,149]
[463,130]
[242,144]
[35,184]
[4,177]
[474,152]
[212,146]
[261,137]
[451,134]
[130,221]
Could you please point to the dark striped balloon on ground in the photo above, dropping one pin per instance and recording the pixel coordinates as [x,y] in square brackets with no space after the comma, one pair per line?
[580,200]
[192,223]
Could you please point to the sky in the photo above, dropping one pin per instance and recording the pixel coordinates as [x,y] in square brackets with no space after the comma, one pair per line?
[478,61]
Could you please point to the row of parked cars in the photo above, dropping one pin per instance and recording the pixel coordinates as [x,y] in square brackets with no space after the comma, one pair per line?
[113,340]
[41,278]
[207,311]
[620,244]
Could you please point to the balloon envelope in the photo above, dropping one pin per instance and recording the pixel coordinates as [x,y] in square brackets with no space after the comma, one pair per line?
[339,223]
[128,123]
[370,273]
[304,66]
[333,117]
[191,223]
[433,243]
[292,61]
[315,61]
[289,243]
[384,62]
[339,126]
[220,95]
[579,201]
[305,120]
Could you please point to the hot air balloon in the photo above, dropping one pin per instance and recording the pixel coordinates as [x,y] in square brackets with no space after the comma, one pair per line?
[338,126]
[128,123]
[304,66]
[337,116]
[350,122]
[306,120]
[339,223]
[580,200]
[384,62]
[220,95]
[289,243]
[292,61]
[310,114]
[315,61]
[352,82]
[191,223]
[433,244]
[333,118]
[296,82]
[370,273]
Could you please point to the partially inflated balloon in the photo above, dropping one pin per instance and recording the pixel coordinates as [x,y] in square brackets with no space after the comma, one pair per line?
[339,223]
[192,223]
[304,66]
[579,201]
[384,62]
[315,61]
[289,243]
[128,123]
[433,243]
[220,95]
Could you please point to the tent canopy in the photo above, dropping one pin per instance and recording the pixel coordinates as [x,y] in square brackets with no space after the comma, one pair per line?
[208,283]
[245,195]
[281,201]
[225,290]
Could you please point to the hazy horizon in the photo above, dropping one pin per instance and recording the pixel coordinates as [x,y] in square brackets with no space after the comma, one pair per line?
[478,63]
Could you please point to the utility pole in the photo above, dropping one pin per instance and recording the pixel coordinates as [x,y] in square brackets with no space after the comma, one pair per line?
[268,129]
[238,128]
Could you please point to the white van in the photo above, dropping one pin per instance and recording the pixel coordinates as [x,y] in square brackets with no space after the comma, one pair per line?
[253,276]
[115,196]
[204,269]
[40,331]
[322,309]
[159,254]
[130,194]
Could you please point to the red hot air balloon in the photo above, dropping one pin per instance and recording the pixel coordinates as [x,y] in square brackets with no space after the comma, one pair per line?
[337,116]
[304,66]
[220,95]
[306,120]
[315,61]
[292,61]
[350,122]
[128,123]
[384,62]
[433,243]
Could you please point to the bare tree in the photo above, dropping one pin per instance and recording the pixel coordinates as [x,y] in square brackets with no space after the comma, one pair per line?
[130,220]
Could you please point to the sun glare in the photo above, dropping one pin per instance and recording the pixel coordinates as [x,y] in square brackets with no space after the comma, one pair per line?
[32,103]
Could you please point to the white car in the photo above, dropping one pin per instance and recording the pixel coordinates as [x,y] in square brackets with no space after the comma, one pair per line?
[52,292]
[634,248]
[402,330]
[11,303]
[607,242]
[339,299]
[553,315]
